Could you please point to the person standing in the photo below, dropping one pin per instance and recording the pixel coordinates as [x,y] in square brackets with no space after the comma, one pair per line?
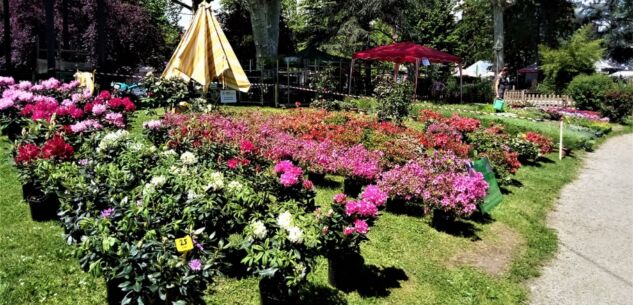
[502,83]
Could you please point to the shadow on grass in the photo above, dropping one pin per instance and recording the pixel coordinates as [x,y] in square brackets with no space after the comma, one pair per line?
[513,182]
[328,183]
[405,208]
[453,226]
[481,218]
[318,295]
[376,281]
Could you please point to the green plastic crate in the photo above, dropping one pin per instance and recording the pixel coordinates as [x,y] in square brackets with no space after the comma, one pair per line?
[493,194]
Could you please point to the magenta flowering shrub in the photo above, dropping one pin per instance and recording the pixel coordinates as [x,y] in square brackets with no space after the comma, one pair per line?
[438,182]
[346,224]
[359,163]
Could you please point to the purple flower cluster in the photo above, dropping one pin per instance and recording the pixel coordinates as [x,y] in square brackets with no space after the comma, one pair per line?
[441,182]
[84,125]
[153,124]
[107,213]
[290,174]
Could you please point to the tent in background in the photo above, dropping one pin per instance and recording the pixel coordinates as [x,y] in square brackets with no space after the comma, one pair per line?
[407,52]
[205,55]
[480,69]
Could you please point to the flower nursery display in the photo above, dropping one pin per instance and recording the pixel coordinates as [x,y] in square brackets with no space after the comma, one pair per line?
[161,213]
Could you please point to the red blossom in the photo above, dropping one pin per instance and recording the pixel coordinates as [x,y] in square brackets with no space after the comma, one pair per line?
[57,148]
[27,153]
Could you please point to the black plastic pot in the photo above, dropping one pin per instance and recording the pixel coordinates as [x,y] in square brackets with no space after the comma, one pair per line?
[115,294]
[345,270]
[274,291]
[12,132]
[442,219]
[316,178]
[352,187]
[43,206]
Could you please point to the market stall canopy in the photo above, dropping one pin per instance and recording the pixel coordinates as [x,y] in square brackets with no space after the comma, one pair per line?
[402,52]
[480,69]
[622,74]
[312,53]
[205,55]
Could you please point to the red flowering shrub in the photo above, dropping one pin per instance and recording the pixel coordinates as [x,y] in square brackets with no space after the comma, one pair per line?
[544,144]
[425,116]
[57,148]
[27,153]
[463,124]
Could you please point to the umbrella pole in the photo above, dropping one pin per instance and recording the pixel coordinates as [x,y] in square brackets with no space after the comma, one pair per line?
[277,85]
[461,84]
[351,70]
[417,72]
[288,79]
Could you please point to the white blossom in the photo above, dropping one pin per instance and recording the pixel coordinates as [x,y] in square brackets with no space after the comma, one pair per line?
[112,138]
[295,235]
[284,220]
[216,181]
[158,181]
[259,229]
[188,158]
[235,186]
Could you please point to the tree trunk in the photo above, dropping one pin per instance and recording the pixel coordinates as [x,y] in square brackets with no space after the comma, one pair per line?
[195,4]
[50,35]
[265,23]
[7,35]
[499,39]
[101,33]
[65,37]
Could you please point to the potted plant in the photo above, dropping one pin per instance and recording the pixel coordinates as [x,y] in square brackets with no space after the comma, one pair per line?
[343,228]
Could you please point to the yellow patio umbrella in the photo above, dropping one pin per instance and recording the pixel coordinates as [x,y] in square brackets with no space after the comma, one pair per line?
[204,54]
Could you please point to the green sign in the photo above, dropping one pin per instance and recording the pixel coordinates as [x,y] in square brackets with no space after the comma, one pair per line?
[493,195]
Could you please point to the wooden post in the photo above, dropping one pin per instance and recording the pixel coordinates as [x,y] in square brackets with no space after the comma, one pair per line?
[288,79]
[417,72]
[351,71]
[560,144]
[277,85]
[461,84]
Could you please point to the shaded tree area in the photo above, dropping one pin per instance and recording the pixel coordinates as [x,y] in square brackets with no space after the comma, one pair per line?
[531,23]
[237,27]
[613,22]
[132,36]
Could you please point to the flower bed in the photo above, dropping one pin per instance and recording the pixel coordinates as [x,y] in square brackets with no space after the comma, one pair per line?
[236,186]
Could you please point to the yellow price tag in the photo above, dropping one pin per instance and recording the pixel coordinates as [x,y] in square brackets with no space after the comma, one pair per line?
[184,244]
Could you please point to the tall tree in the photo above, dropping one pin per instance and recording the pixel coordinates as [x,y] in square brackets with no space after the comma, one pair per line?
[265,16]
[613,20]
[7,34]
[531,23]
[574,57]
[474,31]
[498,6]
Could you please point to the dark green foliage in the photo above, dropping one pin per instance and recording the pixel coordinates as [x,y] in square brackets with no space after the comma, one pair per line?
[618,103]
[531,23]
[588,90]
[394,98]
[574,57]
[613,21]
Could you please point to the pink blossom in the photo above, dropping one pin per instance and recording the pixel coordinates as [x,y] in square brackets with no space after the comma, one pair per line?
[289,179]
[308,185]
[349,230]
[340,198]
[115,119]
[374,195]
[283,166]
[99,109]
[361,208]
[153,124]
[361,226]
[5,103]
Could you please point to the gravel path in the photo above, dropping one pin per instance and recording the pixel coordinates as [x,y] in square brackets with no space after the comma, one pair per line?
[594,221]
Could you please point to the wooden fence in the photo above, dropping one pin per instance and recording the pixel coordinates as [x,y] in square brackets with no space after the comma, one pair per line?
[523,98]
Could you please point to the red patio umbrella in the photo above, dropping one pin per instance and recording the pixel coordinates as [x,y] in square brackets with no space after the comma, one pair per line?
[402,52]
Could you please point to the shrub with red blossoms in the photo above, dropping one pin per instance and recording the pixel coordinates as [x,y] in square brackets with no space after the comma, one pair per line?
[544,143]
[27,153]
[57,148]
[463,124]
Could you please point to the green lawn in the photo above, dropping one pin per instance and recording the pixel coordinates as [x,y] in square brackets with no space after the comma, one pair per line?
[412,262]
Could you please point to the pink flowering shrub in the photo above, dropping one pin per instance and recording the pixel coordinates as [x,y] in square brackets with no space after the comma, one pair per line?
[346,224]
[438,182]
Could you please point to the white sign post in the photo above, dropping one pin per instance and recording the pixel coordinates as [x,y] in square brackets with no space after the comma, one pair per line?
[228,96]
